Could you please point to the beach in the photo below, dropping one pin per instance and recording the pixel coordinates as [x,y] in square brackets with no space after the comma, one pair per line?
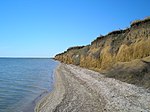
[81,90]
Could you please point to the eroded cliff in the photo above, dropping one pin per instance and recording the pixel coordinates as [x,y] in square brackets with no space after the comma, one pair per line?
[107,52]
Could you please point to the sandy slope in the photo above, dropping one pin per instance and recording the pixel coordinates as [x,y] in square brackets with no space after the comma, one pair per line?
[81,90]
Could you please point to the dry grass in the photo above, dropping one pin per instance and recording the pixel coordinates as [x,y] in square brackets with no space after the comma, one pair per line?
[140,21]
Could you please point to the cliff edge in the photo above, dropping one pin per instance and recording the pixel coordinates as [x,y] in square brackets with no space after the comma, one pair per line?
[122,54]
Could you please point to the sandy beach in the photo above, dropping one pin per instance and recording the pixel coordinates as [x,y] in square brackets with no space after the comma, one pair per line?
[81,90]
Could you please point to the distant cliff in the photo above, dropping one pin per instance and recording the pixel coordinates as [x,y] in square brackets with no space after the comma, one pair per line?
[124,54]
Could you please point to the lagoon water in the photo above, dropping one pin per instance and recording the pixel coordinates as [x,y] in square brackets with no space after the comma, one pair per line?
[22,81]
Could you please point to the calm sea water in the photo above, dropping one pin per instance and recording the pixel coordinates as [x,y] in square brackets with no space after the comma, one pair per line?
[22,81]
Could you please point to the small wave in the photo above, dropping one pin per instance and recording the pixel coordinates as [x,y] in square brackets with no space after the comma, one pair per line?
[30,107]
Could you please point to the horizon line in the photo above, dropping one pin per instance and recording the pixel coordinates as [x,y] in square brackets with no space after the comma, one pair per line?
[27,57]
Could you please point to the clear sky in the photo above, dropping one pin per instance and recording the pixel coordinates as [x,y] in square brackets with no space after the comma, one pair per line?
[43,28]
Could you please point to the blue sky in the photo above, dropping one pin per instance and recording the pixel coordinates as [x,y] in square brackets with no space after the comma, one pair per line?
[43,28]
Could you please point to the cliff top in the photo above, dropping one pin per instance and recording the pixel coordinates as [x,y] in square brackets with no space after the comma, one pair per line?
[137,22]
[134,23]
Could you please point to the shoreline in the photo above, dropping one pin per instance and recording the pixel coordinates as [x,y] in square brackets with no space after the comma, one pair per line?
[55,94]
[78,89]
[30,107]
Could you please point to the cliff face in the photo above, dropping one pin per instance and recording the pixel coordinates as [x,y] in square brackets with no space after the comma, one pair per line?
[117,46]
[122,54]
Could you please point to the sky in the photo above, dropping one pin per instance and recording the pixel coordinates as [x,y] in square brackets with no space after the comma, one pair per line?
[43,28]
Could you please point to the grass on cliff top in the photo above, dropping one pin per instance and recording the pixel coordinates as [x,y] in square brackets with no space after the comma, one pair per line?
[140,21]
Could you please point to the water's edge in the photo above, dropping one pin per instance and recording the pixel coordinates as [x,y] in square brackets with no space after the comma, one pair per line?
[43,95]
[24,82]
[31,106]
[105,94]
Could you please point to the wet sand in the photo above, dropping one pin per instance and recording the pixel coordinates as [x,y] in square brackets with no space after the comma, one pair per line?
[30,107]
[81,90]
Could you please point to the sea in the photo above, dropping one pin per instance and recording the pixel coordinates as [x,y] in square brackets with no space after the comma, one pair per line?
[24,81]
